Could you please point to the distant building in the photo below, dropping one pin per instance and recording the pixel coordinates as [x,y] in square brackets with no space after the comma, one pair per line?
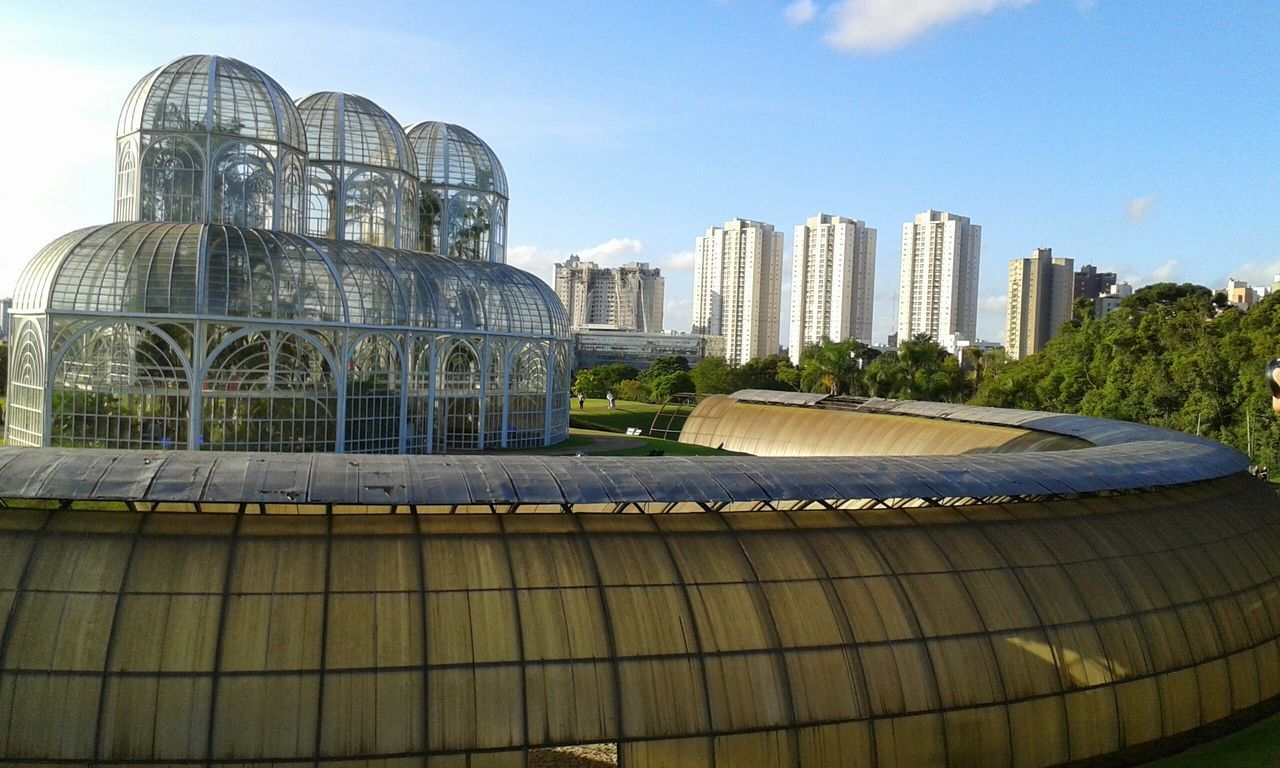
[1241,294]
[938,284]
[1090,283]
[627,298]
[833,272]
[980,346]
[1110,302]
[5,306]
[1040,296]
[737,288]
[639,350]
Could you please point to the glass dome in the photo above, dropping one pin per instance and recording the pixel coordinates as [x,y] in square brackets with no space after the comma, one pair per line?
[210,139]
[463,208]
[213,94]
[363,177]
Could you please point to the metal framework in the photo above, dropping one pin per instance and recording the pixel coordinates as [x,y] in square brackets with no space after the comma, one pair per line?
[1103,604]
[463,212]
[204,319]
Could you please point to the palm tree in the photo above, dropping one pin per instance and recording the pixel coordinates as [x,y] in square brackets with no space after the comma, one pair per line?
[834,367]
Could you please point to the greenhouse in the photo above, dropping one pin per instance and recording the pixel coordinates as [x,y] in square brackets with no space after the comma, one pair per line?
[258,291]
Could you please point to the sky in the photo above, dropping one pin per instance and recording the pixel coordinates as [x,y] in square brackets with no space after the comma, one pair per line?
[1137,136]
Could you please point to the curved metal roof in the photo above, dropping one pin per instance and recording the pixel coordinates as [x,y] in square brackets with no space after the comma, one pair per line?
[222,271]
[452,156]
[212,94]
[1123,457]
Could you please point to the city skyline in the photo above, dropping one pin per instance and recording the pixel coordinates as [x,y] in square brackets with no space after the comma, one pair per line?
[1132,137]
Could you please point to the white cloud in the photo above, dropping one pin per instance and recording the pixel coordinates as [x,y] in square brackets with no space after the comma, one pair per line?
[1086,6]
[800,12]
[678,262]
[1139,208]
[1252,272]
[677,314]
[993,316]
[876,26]
[1165,273]
[614,250]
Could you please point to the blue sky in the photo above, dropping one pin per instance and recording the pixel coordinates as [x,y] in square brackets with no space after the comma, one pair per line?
[1140,136]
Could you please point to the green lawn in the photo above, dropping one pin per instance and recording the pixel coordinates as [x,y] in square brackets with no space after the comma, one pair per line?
[1257,746]
[668,448]
[597,415]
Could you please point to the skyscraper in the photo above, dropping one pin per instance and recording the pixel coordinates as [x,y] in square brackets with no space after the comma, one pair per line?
[627,298]
[833,272]
[737,287]
[1041,289]
[938,285]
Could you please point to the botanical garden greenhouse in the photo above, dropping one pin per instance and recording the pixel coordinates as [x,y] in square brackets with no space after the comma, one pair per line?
[287,278]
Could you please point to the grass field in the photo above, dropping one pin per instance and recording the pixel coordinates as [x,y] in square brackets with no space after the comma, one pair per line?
[627,413]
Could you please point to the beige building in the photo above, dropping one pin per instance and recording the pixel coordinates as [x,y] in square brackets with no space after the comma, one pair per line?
[833,271]
[737,288]
[1041,289]
[625,298]
[938,284]
[1241,294]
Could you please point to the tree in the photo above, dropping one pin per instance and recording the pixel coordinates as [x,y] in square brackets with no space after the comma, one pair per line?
[764,373]
[663,387]
[712,375]
[666,365]
[597,381]
[834,367]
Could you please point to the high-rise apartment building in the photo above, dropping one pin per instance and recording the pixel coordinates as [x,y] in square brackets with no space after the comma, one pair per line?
[626,298]
[833,273]
[737,288]
[1090,283]
[1041,289]
[938,284]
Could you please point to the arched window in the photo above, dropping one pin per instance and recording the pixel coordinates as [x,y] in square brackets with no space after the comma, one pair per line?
[430,212]
[291,203]
[469,223]
[370,211]
[270,390]
[373,397]
[457,416]
[243,187]
[172,182]
[126,184]
[322,204]
[120,385]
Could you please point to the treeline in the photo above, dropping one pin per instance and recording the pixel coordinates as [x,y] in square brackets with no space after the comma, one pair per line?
[1176,356]
[1172,355]
[920,370]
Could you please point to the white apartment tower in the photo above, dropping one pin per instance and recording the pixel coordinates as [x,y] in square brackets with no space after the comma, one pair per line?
[1041,290]
[938,285]
[737,288]
[833,274]
[625,298]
